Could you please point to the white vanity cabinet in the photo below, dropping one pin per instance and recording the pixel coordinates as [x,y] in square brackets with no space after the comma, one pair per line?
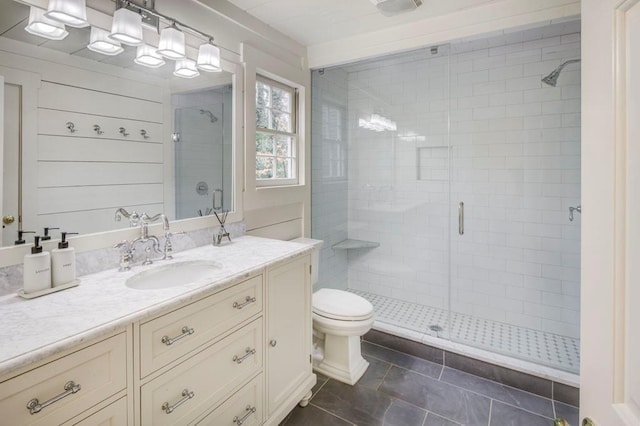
[235,356]
[239,355]
[289,335]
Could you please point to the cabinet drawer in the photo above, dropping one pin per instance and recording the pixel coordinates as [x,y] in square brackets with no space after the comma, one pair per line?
[208,318]
[189,389]
[244,407]
[99,371]
[112,415]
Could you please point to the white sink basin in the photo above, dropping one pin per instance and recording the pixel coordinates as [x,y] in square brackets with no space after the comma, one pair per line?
[173,274]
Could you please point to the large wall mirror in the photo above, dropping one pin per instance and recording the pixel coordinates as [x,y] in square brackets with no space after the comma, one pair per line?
[84,134]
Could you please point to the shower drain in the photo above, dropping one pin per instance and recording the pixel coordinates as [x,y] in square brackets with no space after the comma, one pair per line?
[436,328]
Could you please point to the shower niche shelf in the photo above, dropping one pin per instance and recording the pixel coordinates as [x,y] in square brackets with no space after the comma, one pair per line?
[354,244]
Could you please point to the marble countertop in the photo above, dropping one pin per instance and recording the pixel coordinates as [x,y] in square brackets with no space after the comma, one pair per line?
[32,330]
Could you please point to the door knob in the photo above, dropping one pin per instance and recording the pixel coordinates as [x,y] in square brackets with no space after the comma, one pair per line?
[273,343]
[588,422]
[8,220]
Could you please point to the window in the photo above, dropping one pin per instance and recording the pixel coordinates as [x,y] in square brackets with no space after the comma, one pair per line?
[276,133]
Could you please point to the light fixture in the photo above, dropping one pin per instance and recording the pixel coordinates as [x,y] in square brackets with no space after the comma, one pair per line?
[209,57]
[395,7]
[101,43]
[186,68]
[42,26]
[147,56]
[70,12]
[172,43]
[127,27]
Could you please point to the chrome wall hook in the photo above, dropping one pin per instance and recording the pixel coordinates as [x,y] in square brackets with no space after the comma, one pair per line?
[71,127]
[144,134]
[97,129]
[123,131]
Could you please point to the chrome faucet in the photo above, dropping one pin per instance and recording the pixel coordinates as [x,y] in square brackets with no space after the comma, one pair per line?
[134,217]
[144,237]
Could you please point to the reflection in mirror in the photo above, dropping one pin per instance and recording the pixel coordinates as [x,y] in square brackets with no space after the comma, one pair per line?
[85,134]
[202,141]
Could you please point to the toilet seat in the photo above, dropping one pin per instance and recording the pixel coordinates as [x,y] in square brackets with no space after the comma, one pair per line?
[341,305]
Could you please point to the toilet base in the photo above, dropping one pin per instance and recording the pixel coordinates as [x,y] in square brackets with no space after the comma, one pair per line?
[342,360]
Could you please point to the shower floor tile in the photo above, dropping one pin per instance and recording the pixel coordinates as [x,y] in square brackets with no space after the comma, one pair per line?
[536,346]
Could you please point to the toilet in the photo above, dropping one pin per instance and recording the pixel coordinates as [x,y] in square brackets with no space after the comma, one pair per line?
[340,318]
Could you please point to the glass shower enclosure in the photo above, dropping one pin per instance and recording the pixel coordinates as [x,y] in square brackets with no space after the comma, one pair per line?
[442,182]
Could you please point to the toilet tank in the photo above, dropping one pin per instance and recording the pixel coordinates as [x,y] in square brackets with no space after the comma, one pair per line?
[315,255]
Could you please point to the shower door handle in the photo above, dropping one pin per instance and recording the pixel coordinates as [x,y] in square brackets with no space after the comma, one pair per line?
[461,218]
[217,206]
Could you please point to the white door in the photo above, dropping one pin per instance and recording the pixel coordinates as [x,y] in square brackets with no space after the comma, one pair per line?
[610,365]
[10,163]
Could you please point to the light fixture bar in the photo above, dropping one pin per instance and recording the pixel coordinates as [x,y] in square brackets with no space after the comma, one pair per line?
[149,20]
[131,4]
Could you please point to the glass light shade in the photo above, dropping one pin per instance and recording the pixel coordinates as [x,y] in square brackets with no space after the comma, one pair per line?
[42,26]
[101,43]
[172,43]
[186,68]
[70,12]
[127,27]
[209,58]
[148,57]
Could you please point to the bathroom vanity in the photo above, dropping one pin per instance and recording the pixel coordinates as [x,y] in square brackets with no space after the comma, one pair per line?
[230,348]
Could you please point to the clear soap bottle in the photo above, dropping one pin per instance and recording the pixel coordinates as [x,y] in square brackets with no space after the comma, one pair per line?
[63,262]
[37,269]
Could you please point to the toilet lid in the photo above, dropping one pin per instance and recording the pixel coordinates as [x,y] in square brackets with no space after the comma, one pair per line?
[341,305]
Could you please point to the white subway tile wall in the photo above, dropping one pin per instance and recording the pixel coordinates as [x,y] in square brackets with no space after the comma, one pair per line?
[474,124]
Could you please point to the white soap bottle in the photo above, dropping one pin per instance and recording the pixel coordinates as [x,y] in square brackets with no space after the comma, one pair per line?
[37,269]
[63,262]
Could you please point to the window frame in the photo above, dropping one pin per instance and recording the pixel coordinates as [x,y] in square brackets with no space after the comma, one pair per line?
[294,135]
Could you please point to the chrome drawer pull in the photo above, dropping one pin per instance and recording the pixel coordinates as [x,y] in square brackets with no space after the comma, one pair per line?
[247,353]
[186,395]
[246,302]
[240,420]
[171,340]
[34,405]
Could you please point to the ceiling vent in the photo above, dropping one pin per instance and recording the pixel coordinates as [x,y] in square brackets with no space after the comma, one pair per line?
[395,7]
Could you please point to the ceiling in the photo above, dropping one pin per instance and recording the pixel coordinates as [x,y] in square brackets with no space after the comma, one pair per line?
[312,22]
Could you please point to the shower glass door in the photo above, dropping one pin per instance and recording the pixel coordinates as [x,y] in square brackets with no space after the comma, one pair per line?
[515,173]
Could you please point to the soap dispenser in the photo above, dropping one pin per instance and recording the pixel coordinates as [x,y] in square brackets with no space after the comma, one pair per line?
[63,262]
[37,269]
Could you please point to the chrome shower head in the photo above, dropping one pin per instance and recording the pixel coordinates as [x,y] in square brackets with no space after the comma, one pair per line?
[552,78]
[209,114]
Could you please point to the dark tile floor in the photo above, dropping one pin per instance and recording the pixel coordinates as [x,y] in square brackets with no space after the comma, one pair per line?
[402,390]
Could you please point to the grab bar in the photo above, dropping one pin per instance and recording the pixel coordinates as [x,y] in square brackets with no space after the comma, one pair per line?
[461,218]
